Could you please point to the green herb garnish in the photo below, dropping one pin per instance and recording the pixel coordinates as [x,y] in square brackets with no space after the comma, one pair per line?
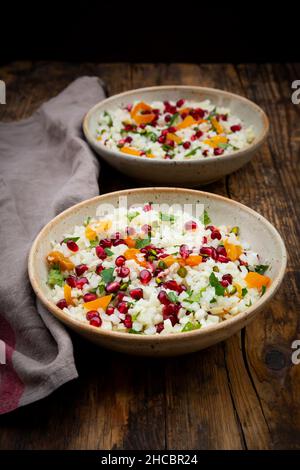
[108,252]
[263,290]
[192,152]
[214,282]
[261,268]
[189,326]
[173,119]
[205,219]
[167,217]
[107,275]
[142,242]
[94,243]
[132,215]
[134,332]
[108,119]
[173,297]
[71,239]
[87,221]
[55,277]
[244,291]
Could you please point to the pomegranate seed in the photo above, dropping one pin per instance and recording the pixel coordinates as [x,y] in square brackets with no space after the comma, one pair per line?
[223,259]
[184,115]
[99,268]
[167,118]
[136,294]
[218,151]
[156,111]
[128,321]
[120,296]
[172,109]
[100,252]
[211,228]
[221,250]
[92,314]
[215,235]
[123,271]
[170,142]
[165,132]
[123,307]
[199,134]
[112,287]
[162,139]
[199,112]
[145,276]
[224,283]
[204,240]
[190,225]
[128,107]
[193,138]
[146,228]
[80,269]
[71,281]
[89,297]
[163,297]
[224,117]
[106,243]
[186,145]
[130,231]
[169,309]
[81,282]
[121,142]
[62,304]
[96,321]
[116,236]
[142,126]
[128,128]
[159,327]
[173,285]
[184,251]
[72,245]
[236,128]
[205,153]
[172,129]
[128,139]
[119,241]
[228,278]
[110,310]
[180,103]
[120,260]
[147,208]
[206,251]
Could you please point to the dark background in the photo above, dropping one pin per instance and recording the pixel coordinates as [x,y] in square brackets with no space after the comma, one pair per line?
[150,32]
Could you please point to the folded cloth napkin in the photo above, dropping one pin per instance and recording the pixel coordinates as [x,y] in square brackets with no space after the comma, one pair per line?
[45,167]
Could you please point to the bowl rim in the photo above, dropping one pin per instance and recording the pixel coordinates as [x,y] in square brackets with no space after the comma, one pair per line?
[77,324]
[252,147]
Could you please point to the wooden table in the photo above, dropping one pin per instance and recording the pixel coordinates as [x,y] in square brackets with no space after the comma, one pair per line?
[241,394]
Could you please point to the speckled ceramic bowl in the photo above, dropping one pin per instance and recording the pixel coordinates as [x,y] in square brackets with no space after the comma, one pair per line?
[172,172]
[262,236]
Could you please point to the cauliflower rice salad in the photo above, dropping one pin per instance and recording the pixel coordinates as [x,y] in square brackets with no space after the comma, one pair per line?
[179,130]
[137,271]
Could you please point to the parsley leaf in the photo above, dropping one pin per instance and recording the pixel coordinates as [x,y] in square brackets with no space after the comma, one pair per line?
[142,242]
[205,219]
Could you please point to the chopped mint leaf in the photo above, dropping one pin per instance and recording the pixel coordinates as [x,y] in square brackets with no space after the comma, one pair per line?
[71,239]
[261,268]
[205,219]
[263,290]
[108,119]
[55,277]
[107,275]
[132,215]
[173,119]
[214,282]
[192,152]
[142,242]
[189,326]
[173,297]
[87,221]
[244,291]
[108,252]
[167,217]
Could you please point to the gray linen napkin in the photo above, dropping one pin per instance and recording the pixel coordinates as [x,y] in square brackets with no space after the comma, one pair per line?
[45,167]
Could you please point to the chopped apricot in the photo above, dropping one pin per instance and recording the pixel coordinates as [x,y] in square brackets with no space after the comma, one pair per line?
[130,242]
[130,151]
[90,233]
[138,116]
[101,302]
[233,251]
[219,129]
[216,140]
[132,253]
[68,294]
[193,260]
[174,137]
[257,280]
[56,257]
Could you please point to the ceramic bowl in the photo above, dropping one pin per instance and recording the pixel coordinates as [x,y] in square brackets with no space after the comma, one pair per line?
[262,236]
[172,172]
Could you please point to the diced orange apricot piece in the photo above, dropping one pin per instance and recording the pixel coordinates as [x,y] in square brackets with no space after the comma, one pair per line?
[101,302]
[233,251]
[56,257]
[187,122]
[102,226]
[169,260]
[239,289]
[130,242]
[139,117]
[257,280]
[90,233]
[68,294]
[130,151]
[216,140]
[174,137]
[217,125]
[193,260]
[131,253]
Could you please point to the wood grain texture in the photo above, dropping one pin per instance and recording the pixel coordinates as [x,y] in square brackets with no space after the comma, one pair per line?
[242,394]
